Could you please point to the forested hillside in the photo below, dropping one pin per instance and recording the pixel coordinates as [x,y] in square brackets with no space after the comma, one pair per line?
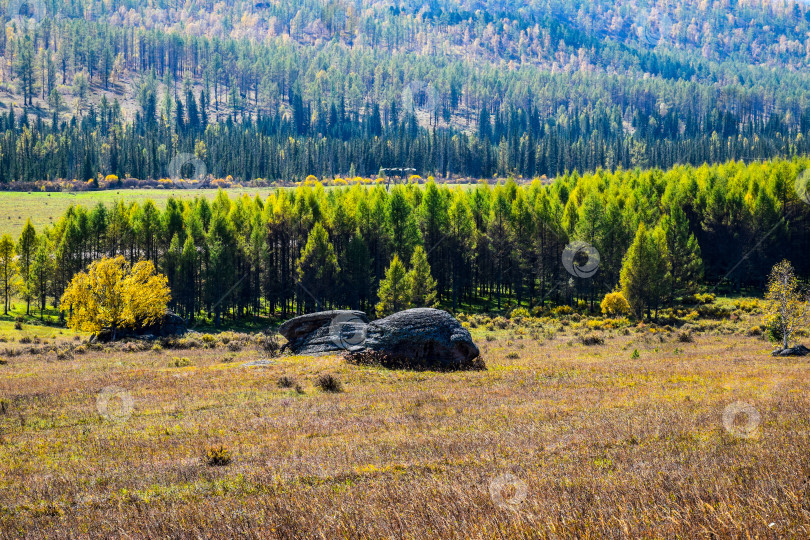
[279,90]
[488,247]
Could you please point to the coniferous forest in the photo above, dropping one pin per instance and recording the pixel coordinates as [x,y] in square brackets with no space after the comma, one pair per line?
[489,248]
[275,91]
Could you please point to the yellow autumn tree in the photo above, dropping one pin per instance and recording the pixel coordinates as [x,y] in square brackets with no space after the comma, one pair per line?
[786,307]
[112,295]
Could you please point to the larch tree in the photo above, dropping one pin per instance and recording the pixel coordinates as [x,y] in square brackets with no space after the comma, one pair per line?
[393,293]
[402,221]
[26,250]
[8,271]
[318,267]
[421,285]
[40,275]
[644,276]
[461,241]
[683,253]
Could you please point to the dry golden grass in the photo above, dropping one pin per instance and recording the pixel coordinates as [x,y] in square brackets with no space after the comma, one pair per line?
[555,440]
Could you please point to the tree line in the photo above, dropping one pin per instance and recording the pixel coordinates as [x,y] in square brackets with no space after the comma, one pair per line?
[661,234]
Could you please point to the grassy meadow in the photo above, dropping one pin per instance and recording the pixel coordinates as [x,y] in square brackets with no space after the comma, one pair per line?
[44,208]
[579,428]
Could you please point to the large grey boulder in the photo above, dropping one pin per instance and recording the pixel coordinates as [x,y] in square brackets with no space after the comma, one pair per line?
[421,338]
[324,332]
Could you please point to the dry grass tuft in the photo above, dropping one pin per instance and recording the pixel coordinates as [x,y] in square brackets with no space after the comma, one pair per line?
[218,456]
[329,383]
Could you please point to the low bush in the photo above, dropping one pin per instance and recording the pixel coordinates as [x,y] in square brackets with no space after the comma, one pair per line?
[685,337]
[286,382]
[592,339]
[698,299]
[562,310]
[501,322]
[329,383]
[179,362]
[64,354]
[269,344]
[714,311]
[519,313]
[218,456]
[755,331]
[748,306]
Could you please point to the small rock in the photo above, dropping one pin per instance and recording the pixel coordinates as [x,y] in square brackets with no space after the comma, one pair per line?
[259,363]
[798,350]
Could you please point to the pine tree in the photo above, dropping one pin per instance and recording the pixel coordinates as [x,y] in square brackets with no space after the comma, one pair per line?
[393,292]
[421,285]
[24,69]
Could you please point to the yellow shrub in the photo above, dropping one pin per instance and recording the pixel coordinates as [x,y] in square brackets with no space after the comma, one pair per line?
[615,304]
[519,313]
[562,310]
